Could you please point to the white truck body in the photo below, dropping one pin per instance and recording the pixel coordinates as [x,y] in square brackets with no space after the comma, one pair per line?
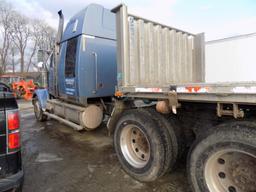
[231,59]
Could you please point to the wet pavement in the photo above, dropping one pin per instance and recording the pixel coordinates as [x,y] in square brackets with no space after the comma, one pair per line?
[57,158]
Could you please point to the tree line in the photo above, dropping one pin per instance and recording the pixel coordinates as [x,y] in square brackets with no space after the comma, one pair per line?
[20,39]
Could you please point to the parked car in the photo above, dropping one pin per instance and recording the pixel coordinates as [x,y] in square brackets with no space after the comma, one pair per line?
[11,172]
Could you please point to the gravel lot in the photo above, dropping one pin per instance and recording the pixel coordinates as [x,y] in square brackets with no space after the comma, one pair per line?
[57,158]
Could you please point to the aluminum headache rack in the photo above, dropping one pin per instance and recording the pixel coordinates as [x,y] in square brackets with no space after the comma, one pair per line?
[153,54]
[161,62]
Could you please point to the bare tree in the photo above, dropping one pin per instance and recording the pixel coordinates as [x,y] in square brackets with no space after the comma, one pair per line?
[6,18]
[48,38]
[20,36]
[34,41]
[13,62]
[42,37]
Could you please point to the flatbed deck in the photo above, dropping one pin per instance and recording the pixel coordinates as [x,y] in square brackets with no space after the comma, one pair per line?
[239,93]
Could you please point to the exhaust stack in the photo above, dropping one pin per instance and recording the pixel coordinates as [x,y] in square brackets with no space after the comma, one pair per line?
[57,52]
[60,31]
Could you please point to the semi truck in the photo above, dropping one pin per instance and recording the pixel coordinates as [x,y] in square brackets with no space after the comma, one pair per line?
[148,80]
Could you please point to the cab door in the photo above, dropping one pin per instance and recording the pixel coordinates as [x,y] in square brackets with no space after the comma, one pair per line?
[70,72]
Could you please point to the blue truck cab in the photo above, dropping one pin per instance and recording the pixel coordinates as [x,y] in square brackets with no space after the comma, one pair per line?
[87,64]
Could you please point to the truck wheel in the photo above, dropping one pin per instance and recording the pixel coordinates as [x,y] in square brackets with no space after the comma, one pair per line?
[140,146]
[38,110]
[225,160]
[171,136]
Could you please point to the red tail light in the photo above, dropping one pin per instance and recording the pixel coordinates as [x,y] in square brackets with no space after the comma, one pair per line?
[13,133]
[13,120]
[14,140]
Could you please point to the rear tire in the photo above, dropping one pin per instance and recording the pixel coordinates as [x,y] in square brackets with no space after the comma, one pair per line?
[172,136]
[225,160]
[38,110]
[140,145]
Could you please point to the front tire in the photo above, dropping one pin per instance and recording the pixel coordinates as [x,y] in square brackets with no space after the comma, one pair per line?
[140,146]
[38,110]
[225,160]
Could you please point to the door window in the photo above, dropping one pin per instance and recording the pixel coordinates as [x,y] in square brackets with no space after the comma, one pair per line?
[70,61]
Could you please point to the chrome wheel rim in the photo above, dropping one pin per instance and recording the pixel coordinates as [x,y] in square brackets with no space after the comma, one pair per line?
[231,171]
[135,146]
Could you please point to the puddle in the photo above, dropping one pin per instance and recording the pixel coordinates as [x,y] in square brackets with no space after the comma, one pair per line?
[47,157]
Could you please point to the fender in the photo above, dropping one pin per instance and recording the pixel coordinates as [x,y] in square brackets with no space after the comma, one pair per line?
[43,96]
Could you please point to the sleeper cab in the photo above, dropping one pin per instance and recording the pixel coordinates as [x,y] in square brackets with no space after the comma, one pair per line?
[87,67]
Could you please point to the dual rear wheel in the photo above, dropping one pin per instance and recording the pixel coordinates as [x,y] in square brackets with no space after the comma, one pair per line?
[146,144]
[225,160]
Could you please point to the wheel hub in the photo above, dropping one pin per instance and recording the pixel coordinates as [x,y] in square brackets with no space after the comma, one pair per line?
[139,144]
[231,171]
[135,146]
[242,174]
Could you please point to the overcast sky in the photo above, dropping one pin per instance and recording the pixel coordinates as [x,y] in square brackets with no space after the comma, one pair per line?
[217,18]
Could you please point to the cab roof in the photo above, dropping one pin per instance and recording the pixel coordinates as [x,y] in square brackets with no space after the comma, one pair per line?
[94,20]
